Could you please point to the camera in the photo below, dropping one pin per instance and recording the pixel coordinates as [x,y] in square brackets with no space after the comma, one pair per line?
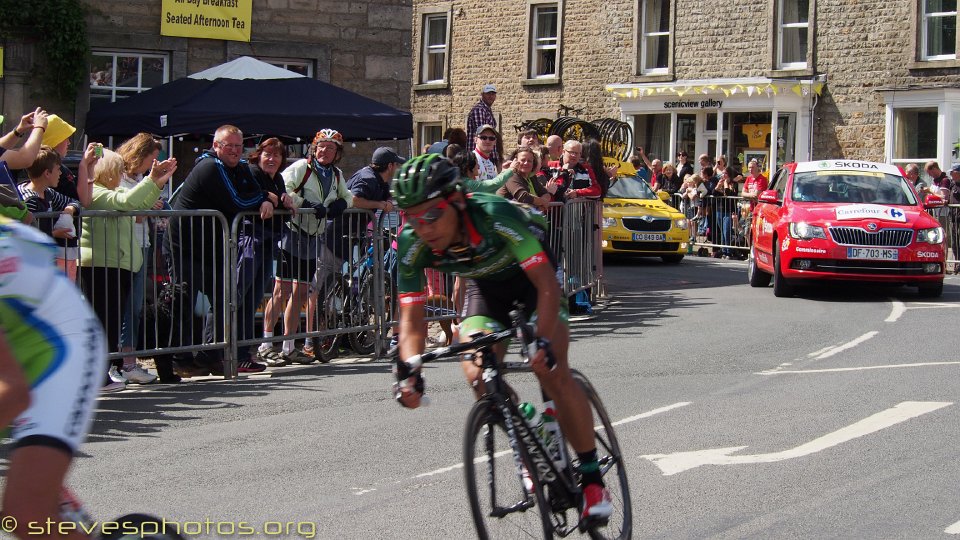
[98,150]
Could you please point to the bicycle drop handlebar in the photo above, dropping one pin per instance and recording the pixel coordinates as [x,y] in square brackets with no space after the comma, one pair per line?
[529,346]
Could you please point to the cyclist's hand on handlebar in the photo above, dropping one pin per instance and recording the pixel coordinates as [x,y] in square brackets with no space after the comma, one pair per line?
[543,361]
[409,388]
[408,396]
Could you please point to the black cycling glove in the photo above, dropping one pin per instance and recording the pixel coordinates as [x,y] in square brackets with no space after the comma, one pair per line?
[402,371]
[319,209]
[336,208]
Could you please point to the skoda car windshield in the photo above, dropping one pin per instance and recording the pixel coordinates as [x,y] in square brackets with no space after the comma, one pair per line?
[852,187]
[631,188]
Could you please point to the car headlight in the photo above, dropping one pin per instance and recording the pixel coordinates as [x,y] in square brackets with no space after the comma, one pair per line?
[609,222]
[930,236]
[805,231]
[681,223]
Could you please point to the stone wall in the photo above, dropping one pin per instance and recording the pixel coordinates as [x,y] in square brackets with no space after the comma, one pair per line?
[860,46]
[360,45]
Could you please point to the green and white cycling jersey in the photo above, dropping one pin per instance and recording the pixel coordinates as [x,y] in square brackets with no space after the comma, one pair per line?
[505,239]
[54,336]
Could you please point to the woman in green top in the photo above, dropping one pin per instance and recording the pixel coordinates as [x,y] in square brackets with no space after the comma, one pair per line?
[109,253]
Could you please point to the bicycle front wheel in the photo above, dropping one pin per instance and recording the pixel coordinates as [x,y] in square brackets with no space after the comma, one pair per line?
[505,502]
[614,471]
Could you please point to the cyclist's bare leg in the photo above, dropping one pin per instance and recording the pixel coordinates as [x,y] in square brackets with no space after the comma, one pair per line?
[573,411]
[34,480]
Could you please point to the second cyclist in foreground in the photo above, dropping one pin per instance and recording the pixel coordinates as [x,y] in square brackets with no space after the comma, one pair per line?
[499,248]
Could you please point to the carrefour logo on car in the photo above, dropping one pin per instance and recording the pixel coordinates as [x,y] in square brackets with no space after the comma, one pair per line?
[871,211]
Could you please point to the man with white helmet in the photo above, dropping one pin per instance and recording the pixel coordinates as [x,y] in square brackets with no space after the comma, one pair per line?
[319,191]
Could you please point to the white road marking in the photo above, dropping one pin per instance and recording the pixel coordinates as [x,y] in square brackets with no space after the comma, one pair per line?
[953,529]
[848,345]
[647,414]
[821,351]
[898,309]
[861,368]
[678,462]
[502,453]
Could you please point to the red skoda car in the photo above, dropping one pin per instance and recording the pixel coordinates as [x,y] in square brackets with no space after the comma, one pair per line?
[845,220]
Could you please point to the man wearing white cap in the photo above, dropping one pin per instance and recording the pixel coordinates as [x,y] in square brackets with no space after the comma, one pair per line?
[482,115]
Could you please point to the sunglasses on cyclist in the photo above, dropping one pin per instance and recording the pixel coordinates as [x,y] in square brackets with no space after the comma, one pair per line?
[428,216]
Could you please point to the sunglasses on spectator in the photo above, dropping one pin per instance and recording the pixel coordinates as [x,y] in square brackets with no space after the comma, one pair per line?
[428,216]
[486,137]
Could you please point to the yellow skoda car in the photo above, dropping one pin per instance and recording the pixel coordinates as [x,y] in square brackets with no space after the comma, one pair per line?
[637,222]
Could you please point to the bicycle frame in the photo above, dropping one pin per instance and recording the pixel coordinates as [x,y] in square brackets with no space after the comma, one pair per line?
[564,492]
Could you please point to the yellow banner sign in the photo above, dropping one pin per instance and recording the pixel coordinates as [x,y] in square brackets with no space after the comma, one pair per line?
[211,19]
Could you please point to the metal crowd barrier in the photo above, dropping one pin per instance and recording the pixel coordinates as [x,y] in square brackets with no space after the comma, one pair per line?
[203,285]
[951,225]
[718,223]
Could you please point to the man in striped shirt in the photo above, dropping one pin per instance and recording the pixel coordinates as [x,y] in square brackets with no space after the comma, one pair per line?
[482,115]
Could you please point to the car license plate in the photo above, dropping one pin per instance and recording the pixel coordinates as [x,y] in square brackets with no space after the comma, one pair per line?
[874,254]
[648,237]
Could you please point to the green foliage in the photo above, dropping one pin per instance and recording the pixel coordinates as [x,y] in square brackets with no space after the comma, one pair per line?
[59,30]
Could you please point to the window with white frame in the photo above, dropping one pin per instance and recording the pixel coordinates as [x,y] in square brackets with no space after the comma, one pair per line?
[303,67]
[116,75]
[430,132]
[544,41]
[938,29]
[793,33]
[914,135]
[655,37]
[435,44]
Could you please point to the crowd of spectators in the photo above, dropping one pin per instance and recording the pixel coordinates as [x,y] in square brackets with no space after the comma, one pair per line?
[295,235]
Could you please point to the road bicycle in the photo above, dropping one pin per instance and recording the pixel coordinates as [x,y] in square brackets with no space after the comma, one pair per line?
[530,495]
[349,301]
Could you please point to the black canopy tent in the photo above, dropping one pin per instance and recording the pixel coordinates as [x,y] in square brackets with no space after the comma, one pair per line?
[293,107]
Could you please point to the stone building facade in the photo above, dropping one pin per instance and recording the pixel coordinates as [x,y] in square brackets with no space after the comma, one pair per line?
[797,79]
[360,45]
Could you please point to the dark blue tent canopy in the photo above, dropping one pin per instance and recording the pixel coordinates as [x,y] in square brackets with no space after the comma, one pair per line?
[296,107]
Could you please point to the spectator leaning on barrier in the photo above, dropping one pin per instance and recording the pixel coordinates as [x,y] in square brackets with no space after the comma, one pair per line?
[318,191]
[484,150]
[39,196]
[109,253]
[724,206]
[525,186]
[481,115]
[80,187]
[222,181]
[257,238]
[754,184]
[577,177]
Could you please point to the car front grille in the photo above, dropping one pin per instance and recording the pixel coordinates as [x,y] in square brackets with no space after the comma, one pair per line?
[646,246]
[855,236]
[877,268]
[642,225]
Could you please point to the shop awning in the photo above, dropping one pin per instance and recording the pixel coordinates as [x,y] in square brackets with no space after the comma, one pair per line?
[758,86]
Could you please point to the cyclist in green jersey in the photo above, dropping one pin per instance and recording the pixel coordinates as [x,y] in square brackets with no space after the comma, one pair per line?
[499,248]
[52,357]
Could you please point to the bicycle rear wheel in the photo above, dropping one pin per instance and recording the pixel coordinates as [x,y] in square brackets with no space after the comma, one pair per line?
[612,468]
[364,313]
[502,506]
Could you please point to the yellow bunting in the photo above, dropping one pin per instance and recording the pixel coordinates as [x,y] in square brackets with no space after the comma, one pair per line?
[796,90]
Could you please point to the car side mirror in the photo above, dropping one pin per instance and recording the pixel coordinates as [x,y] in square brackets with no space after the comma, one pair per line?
[664,196]
[933,201]
[769,196]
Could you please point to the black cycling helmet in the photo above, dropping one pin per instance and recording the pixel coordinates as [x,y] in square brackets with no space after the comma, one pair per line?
[423,178]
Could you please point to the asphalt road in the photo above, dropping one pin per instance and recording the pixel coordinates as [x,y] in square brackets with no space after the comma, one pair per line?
[829,415]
